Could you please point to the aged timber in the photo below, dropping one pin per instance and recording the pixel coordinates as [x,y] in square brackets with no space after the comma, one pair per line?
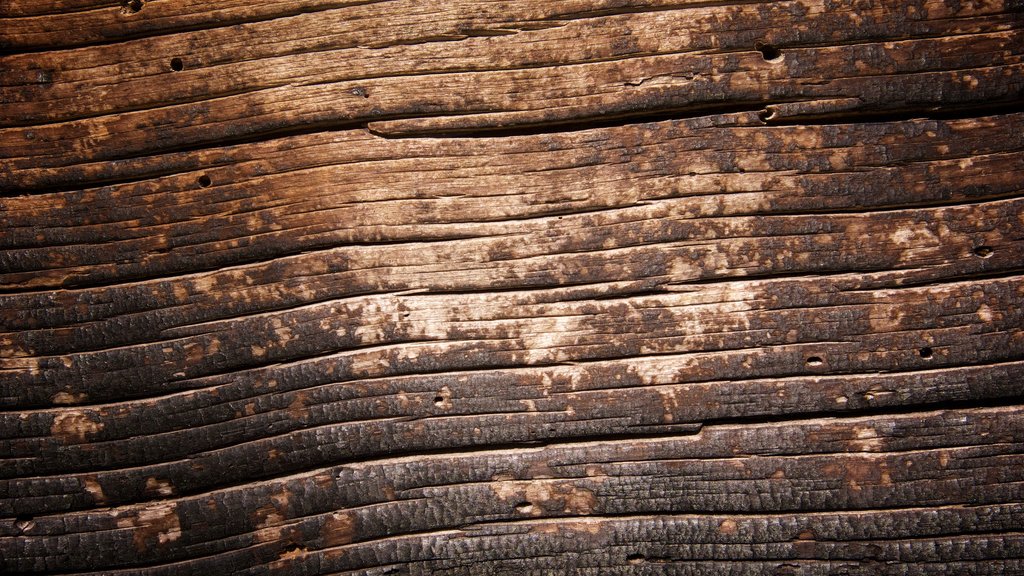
[317,287]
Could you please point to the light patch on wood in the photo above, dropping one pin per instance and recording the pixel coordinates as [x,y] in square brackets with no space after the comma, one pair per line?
[669,404]
[159,487]
[93,488]
[542,344]
[297,407]
[156,525]
[274,512]
[728,527]
[886,318]
[913,238]
[542,495]
[339,529]
[74,427]
[269,534]
[66,398]
[867,439]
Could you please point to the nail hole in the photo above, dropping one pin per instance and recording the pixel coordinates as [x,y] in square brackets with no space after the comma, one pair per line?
[177,65]
[360,91]
[439,401]
[815,361]
[768,52]
[925,352]
[131,6]
[205,181]
[635,558]
[524,507]
[983,251]
[766,114]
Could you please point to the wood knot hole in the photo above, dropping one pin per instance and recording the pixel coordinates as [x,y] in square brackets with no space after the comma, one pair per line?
[177,64]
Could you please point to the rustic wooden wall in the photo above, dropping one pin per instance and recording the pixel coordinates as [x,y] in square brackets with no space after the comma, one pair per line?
[472,287]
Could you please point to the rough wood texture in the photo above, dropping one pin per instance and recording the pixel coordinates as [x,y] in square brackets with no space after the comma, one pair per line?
[464,287]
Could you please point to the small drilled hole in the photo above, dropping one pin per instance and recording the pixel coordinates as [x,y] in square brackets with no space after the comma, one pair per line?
[983,251]
[439,401]
[524,507]
[177,65]
[815,361]
[635,558]
[766,114]
[768,52]
[925,352]
[131,6]
[205,181]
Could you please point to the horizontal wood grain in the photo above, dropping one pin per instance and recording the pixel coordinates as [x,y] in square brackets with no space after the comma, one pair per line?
[314,287]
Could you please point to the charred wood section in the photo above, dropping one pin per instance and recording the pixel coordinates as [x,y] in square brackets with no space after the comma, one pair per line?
[323,287]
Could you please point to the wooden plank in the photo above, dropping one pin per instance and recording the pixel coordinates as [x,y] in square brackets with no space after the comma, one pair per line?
[741,478]
[586,287]
[372,191]
[965,69]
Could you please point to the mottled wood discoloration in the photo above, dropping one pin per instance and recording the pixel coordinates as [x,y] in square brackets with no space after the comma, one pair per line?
[588,287]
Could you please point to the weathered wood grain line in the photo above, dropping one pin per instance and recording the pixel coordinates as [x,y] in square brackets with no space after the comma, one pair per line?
[955,71]
[586,287]
[20,8]
[795,244]
[413,38]
[51,26]
[52,491]
[375,191]
[863,464]
[929,244]
[393,415]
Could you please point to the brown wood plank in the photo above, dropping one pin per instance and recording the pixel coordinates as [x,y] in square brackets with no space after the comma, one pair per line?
[584,287]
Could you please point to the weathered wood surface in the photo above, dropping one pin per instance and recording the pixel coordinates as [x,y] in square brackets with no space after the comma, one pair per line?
[588,286]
